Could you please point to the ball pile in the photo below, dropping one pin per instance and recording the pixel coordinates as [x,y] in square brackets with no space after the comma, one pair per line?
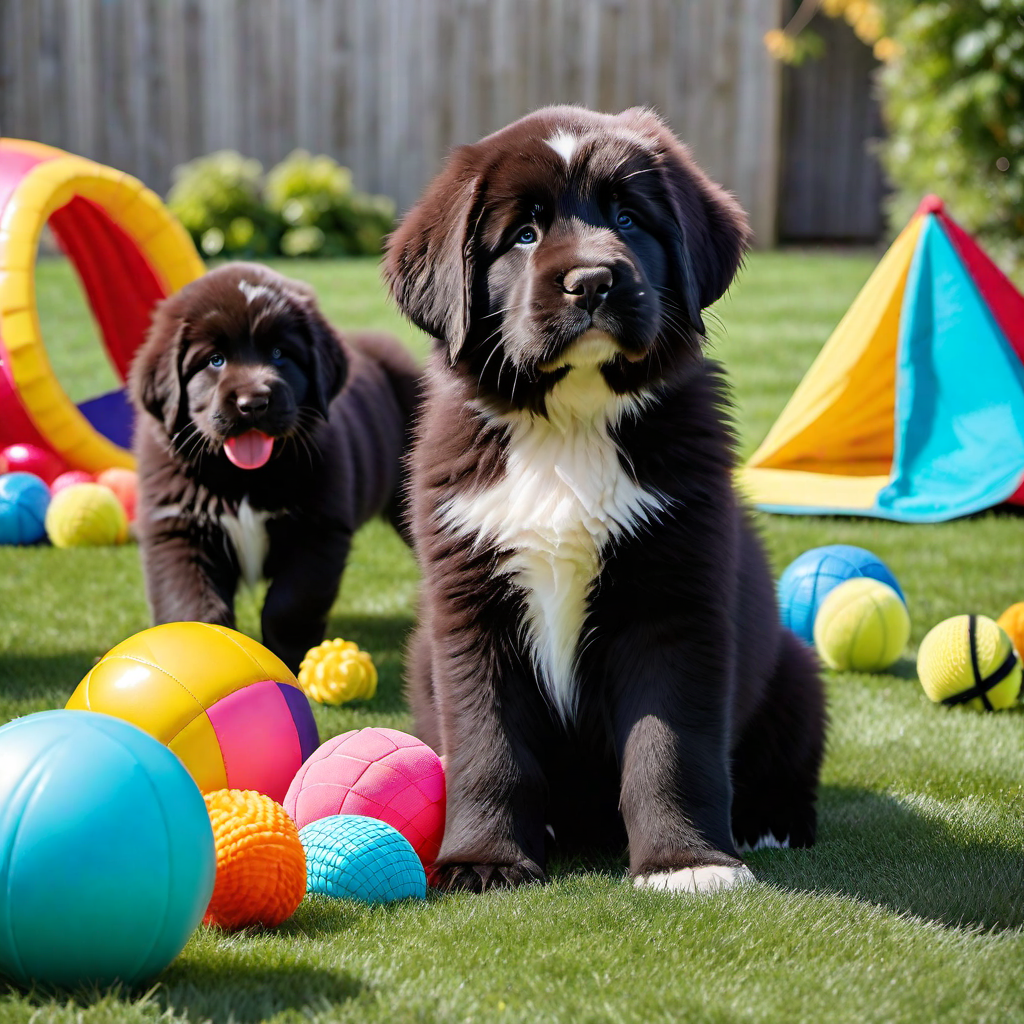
[261,866]
[377,773]
[337,671]
[349,856]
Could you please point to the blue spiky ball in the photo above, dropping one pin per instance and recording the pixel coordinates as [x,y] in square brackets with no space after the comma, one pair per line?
[24,499]
[349,856]
[809,579]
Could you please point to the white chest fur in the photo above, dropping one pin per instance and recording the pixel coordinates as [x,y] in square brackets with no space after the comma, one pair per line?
[563,499]
[247,532]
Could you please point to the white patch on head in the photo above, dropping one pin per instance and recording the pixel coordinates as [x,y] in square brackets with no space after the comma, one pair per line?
[766,842]
[564,498]
[247,532]
[275,301]
[564,144]
[710,878]
[254,291]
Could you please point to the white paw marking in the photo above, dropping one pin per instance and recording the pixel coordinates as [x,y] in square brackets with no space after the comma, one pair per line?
[766,842]
[710,878]
[564,144]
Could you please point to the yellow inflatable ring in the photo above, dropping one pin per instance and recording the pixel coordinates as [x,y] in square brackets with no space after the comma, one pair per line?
[128,251]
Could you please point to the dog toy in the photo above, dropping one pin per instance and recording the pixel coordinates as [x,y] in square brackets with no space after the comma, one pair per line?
[970,660]
[349,856]
[1012,622]
[223,703]
[24,499]
[261,867]
[125,485]
[30,458]
[337,671]
[808,579]
[86,515]
[106,852]
[69,479]
[861,625]
[379,773]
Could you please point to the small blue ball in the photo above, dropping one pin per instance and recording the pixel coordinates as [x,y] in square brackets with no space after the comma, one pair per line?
[24,499]
[107,860]
[809,578]
[349,856]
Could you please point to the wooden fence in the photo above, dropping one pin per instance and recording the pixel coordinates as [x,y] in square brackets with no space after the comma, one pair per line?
[385,86]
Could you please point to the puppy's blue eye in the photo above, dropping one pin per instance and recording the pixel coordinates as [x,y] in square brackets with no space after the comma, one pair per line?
[217,360]
[527,236]
[624,220]
[275,355]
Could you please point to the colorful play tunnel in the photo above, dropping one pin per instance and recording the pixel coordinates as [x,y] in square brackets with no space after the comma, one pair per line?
[914,408]
[128,251]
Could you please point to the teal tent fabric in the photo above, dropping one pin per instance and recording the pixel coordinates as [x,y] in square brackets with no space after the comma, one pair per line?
[959,444]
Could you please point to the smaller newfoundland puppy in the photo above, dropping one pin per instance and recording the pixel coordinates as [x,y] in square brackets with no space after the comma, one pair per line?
[599,655]
[264,440]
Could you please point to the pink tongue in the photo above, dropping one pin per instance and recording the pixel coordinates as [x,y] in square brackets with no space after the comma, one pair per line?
[249,450]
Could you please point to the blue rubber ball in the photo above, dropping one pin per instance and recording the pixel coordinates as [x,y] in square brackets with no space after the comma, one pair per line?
[107,860]
[23,502]
[808,579]
[349,856]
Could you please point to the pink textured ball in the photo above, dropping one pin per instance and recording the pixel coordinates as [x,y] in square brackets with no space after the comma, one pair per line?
[30,458]
[380,773]
[68,479]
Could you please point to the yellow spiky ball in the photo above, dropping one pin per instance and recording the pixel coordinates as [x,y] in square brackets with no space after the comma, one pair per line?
[337,671]
[969,660]
[86,515]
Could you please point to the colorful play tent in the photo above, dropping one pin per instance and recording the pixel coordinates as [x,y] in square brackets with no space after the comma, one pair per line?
[129,252]
[914,408]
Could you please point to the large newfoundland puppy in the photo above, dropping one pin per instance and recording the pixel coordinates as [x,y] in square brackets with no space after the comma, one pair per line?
[599,645]
[264,440]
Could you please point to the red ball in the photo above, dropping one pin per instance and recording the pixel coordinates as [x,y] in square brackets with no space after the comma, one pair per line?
[30,458]
[68,479]
[379,773]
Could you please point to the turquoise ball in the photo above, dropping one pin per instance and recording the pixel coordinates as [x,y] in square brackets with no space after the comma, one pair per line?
[349,856]
[24,499]
[809,579]
[107,859]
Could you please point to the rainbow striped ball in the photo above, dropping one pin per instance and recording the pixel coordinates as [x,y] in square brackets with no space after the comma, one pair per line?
[230,709]
[380,773]
[349,856]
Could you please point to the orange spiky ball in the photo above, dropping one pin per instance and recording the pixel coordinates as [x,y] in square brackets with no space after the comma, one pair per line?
[337,671]
[261,866]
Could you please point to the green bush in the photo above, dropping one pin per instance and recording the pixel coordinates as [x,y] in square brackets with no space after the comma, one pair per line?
[305,206]
[954,103]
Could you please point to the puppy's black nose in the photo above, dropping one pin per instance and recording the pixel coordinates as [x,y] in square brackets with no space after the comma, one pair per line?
[589,286]
[251,402]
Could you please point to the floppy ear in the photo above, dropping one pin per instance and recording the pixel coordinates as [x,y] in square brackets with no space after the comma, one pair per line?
[429,262]
[712,233]
[154,380]
[329,364]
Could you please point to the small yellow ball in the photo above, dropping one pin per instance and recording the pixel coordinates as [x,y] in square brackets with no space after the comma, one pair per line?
[337,671]
[947,670]
[862,625]
[86,515]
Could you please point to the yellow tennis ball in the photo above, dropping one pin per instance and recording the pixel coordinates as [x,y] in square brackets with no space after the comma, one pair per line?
[86,515]
[970,660]
[862,624]
[337,671]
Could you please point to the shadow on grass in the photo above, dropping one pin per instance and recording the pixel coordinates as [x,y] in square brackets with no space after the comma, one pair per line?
[43,676]
[873,847]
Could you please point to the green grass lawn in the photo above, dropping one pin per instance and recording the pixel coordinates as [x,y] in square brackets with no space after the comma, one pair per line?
[910,907]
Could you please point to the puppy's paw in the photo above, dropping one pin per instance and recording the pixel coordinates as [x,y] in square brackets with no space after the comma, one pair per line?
[709,878]
[480,877]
